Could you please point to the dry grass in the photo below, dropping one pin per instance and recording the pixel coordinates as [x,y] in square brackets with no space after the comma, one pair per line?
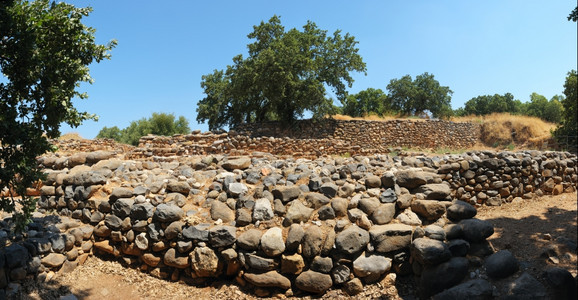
[506,129]
[71,136]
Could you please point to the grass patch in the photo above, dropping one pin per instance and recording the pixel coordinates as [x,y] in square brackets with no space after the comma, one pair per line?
[512,131]
[71,136]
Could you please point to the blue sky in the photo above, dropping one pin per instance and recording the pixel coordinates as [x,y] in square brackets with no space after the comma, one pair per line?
[474,47]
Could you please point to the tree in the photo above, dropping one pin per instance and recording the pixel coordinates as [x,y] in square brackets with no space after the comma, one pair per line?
[567,130]
[45,51]
[366,102]
[487,104]
[546,110]
[573,16]
[415,97]
[157,124]
[285,74]
[109,133]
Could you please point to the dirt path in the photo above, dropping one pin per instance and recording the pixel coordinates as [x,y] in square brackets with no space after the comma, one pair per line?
[527,228]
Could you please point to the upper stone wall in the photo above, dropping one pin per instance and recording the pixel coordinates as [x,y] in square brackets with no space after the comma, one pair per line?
[307,138]
[374,134]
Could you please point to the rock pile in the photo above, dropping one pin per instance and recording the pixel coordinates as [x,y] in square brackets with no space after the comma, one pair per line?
[293,225]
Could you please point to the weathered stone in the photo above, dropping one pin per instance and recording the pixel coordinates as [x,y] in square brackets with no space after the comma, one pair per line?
[286,193]
[459,247]
[173,258]
[173,230]
[435,279]
[298,212]
[390,237]
[435,232]
[262,210]
[196,233]
[268,279]
[329,189]
[322,264]
[339,206]
[428,209]
[340,274]
[168,213]
[220,210]
[372,181]
[235,189]
[352,240]
[239,163]
[430,252]
[53,260]
[368,205]
[317,200]
[353,287]
[122,207]
[294,237]
[410,179]
[292,264]
[258,263]
[501,264]
[383,214]
[371,267]
[312,241]
[460,210]
[272,242]
[181,187]
[151,259]
[313,282]
[526,287]
[434,191]
[113,222]
[222,236]
[249,240]
[408,217]
[205,262]
[473,289]
[120,192]
[476,230]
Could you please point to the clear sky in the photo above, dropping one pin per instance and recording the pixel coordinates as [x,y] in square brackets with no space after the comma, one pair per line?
[474,47]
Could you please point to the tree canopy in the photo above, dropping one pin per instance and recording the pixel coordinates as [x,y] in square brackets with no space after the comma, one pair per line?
[157,124]
[415,97]
[366,102]
[285,74]
[566,132]
[45,51]
[487,104]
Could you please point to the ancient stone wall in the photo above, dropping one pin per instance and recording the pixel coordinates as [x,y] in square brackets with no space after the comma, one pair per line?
[311,139]
[281,224]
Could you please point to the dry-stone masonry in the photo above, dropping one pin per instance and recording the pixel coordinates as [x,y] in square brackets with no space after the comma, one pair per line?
[307,138]
[305,225]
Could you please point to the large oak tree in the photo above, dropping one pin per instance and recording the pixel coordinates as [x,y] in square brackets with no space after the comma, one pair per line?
[45,51]
[284,75]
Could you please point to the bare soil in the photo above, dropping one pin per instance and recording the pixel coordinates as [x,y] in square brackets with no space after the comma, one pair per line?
[528,229]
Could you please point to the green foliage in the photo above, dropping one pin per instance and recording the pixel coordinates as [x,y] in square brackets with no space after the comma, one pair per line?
[366,102]
[540,107]
[415,97]
[157,124]
[568,129]
[488,104]
[284,75]
[45,51]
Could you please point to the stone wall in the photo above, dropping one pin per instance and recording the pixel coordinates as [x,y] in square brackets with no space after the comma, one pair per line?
[290,224]
[311,139]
